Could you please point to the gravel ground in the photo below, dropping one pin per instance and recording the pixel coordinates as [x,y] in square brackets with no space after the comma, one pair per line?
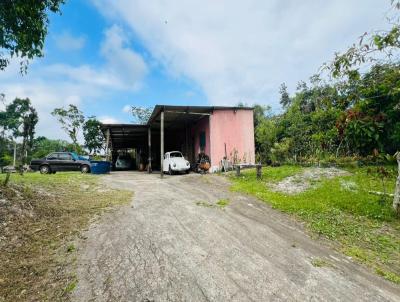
[306,180]
[174,243]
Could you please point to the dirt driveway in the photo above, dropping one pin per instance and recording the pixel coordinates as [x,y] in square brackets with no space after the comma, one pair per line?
[174,244]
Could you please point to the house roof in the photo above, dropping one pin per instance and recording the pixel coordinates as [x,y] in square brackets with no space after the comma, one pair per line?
[176,116]
[126,135]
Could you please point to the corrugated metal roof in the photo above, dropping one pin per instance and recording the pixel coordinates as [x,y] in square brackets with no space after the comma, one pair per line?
[188,111]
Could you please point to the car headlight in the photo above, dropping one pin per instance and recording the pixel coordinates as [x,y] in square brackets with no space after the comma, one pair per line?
[174,165]
[187,163]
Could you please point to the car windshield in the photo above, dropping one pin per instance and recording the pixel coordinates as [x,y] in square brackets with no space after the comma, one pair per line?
[176,154]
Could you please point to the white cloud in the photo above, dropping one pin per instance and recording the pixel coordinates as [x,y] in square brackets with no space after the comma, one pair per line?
[51,86]
[242,50]
[45,94]
[108,120]
[127,109]
[67,42]
[124,69]
[122,62]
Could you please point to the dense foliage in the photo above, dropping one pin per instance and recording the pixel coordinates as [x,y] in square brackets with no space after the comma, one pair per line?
[352,117]
[94,138]
[17,132]
[23,28]
[43,146]
[19,120]
[141,115]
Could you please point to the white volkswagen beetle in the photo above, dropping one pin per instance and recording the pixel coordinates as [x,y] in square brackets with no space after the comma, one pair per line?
[175,162]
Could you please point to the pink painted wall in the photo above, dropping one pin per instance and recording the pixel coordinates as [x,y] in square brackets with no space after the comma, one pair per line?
[236,129]
[202,125]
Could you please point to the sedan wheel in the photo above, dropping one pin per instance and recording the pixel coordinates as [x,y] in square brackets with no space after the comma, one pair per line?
[45,169]
[85,169]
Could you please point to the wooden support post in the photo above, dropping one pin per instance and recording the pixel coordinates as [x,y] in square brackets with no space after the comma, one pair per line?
[238,170]
[186,138]
[162,144]
[149,139]
[5,183]
[107,144]
[259,171]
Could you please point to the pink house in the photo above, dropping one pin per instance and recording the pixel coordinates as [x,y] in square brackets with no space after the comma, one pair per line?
[229,134]
[222,133]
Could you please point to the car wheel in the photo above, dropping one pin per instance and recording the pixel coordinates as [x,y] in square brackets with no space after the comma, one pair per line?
[187,171]
[45,169]
[85,169]
[170,171]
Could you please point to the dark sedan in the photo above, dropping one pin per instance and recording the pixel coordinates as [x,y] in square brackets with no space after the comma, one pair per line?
[60,161]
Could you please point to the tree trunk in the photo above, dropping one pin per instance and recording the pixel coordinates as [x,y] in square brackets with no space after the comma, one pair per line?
[396,199]
[338,148]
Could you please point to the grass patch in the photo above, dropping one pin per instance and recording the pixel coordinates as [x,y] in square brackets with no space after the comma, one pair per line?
[204,204]
[223,203]
[220,203]
[71,286]
[40,216]
[273,174]
[318,262]
[342,210]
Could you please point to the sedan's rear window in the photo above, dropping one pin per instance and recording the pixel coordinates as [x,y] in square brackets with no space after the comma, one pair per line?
[64,156]
[52,156]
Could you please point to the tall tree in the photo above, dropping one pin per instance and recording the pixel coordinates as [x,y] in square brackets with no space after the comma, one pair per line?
[141,114]
[28,132]
[23,28]
[94,138]
[21,118]
[284,99]
[71,121]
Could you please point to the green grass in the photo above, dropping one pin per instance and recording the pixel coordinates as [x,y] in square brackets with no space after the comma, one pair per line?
[204,204]
[44,215]
[222,203]
[318,262]
[71,286]
[342,210]
[272,173]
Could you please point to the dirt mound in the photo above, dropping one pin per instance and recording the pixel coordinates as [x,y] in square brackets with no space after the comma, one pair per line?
[306,180]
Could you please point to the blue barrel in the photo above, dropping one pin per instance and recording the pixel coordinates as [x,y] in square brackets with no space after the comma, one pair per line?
[100,167]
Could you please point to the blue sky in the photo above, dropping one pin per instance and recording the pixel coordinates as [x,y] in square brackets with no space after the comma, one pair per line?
[104,55]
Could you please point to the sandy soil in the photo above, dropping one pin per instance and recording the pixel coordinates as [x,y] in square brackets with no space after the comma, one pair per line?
[168,246]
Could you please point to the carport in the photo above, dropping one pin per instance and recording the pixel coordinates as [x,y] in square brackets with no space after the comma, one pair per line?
[169,128]
[223,133]
[123,137]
